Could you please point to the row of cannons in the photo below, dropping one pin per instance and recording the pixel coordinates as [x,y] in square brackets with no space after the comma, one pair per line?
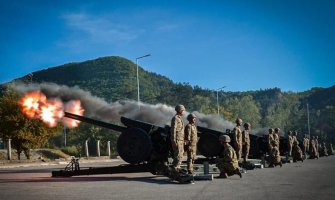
[147,148]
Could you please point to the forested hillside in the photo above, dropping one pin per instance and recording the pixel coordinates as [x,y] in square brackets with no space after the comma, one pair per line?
[114,78]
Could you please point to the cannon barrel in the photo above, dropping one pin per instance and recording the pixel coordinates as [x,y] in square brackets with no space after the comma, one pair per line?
[95,122]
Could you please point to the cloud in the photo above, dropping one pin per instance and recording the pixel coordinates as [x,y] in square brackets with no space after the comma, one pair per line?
[167,27]
[98,29]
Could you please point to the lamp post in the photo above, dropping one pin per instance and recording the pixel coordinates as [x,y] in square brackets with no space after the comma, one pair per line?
[309,129]
[217,98]
[138,81]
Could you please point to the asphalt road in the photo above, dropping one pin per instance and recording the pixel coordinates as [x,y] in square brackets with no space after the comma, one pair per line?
[313,179]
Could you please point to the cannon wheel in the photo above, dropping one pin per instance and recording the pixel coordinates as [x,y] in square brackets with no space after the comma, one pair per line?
[209,145]
[134,145]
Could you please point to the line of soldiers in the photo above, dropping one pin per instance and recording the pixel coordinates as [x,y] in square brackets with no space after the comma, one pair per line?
[184,138]
[316,149]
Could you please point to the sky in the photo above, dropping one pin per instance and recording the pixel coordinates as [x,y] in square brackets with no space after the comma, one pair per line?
[243,45]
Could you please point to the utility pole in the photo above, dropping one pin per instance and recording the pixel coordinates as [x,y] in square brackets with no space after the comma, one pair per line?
[309,129]
[138,80]
[217,98]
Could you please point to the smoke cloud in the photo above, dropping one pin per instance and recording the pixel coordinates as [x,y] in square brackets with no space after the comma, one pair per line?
[98,108]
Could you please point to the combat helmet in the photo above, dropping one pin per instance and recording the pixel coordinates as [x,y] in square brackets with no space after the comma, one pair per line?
[238,121]
[224,138]
[191,116]
[247,125]
[179,108]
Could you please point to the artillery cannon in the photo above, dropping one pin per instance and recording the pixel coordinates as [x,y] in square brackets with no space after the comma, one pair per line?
[144,142]
[147,147]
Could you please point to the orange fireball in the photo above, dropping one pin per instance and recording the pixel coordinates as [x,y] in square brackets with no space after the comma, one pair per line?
[51,111]
[30,103]
[74,107]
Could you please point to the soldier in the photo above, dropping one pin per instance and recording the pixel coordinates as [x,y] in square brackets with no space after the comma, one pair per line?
[289,143]
[177,136]
[296,150]
[191,139]
[246,141]
[324,149]
[314,154]
[238,138]
[330,149]
[317,144]
[305,145]
[276,137]
[294,137]
[227,162]
[274,156]
[270,139]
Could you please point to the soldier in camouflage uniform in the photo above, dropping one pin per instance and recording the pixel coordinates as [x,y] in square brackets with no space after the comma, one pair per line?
[317,145]
[276,137]
[290,143]
[191,139]
[296,150]
[324,150]
[177,136]
[227,162]
[330,149]
[305,145]
[313,153]
[246,141]
[270,139]
[274,156]
[237,134]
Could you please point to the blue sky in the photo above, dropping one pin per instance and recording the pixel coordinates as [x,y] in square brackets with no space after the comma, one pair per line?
[244,45]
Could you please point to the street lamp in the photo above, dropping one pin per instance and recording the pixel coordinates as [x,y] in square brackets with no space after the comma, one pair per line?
[217,97]
[138,81]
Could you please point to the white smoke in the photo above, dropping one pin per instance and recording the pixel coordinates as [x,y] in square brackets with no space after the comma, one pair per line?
[98,108]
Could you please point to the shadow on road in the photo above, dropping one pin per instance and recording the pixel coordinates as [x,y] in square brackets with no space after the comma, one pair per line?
[161,180]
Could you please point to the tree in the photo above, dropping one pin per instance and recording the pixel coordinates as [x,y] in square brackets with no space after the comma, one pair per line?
[245,108]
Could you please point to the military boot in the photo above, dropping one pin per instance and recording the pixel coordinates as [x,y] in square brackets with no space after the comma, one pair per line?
[237,171]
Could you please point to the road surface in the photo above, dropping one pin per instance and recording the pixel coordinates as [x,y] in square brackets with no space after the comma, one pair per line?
[311,180]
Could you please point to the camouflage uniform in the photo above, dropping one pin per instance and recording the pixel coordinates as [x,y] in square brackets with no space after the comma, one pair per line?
[246,141]
[296,150]
[330,150]
[191,139]
[270,140]
[324,149]
[274,156]
[276,138]
[238,139]
[177,139]
[313,153]
[290,143]
[317,145]
[305,145]
[227,162]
